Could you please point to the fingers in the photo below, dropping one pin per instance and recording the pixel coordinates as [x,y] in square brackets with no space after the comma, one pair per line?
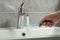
[47,23]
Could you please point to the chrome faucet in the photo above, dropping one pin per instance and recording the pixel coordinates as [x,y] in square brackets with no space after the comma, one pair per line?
[20,16]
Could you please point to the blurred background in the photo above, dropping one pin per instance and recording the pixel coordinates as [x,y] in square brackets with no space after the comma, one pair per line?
[36,9]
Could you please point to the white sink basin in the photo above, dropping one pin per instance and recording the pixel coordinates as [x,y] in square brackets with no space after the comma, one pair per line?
[29,33]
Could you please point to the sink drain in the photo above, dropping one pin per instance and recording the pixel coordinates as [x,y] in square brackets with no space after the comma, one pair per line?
[23,34]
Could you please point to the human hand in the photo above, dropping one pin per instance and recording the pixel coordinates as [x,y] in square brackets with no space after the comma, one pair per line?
[49,20]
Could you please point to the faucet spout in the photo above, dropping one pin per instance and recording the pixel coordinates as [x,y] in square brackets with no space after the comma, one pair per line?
[20,16]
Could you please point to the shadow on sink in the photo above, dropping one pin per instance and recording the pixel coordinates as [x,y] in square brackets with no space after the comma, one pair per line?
[48,38]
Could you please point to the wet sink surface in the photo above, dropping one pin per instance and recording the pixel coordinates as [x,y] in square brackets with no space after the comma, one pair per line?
[24,33]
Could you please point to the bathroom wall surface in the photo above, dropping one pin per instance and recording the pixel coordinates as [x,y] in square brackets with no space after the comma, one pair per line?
[37,9]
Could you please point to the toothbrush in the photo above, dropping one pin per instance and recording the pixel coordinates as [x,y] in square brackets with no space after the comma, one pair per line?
[36,24]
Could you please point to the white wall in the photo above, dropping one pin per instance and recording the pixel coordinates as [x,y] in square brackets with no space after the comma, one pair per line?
[8,10]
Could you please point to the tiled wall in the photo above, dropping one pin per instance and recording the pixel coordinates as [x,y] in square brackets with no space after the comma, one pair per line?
[8,19]
[36,9]
[9,13]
